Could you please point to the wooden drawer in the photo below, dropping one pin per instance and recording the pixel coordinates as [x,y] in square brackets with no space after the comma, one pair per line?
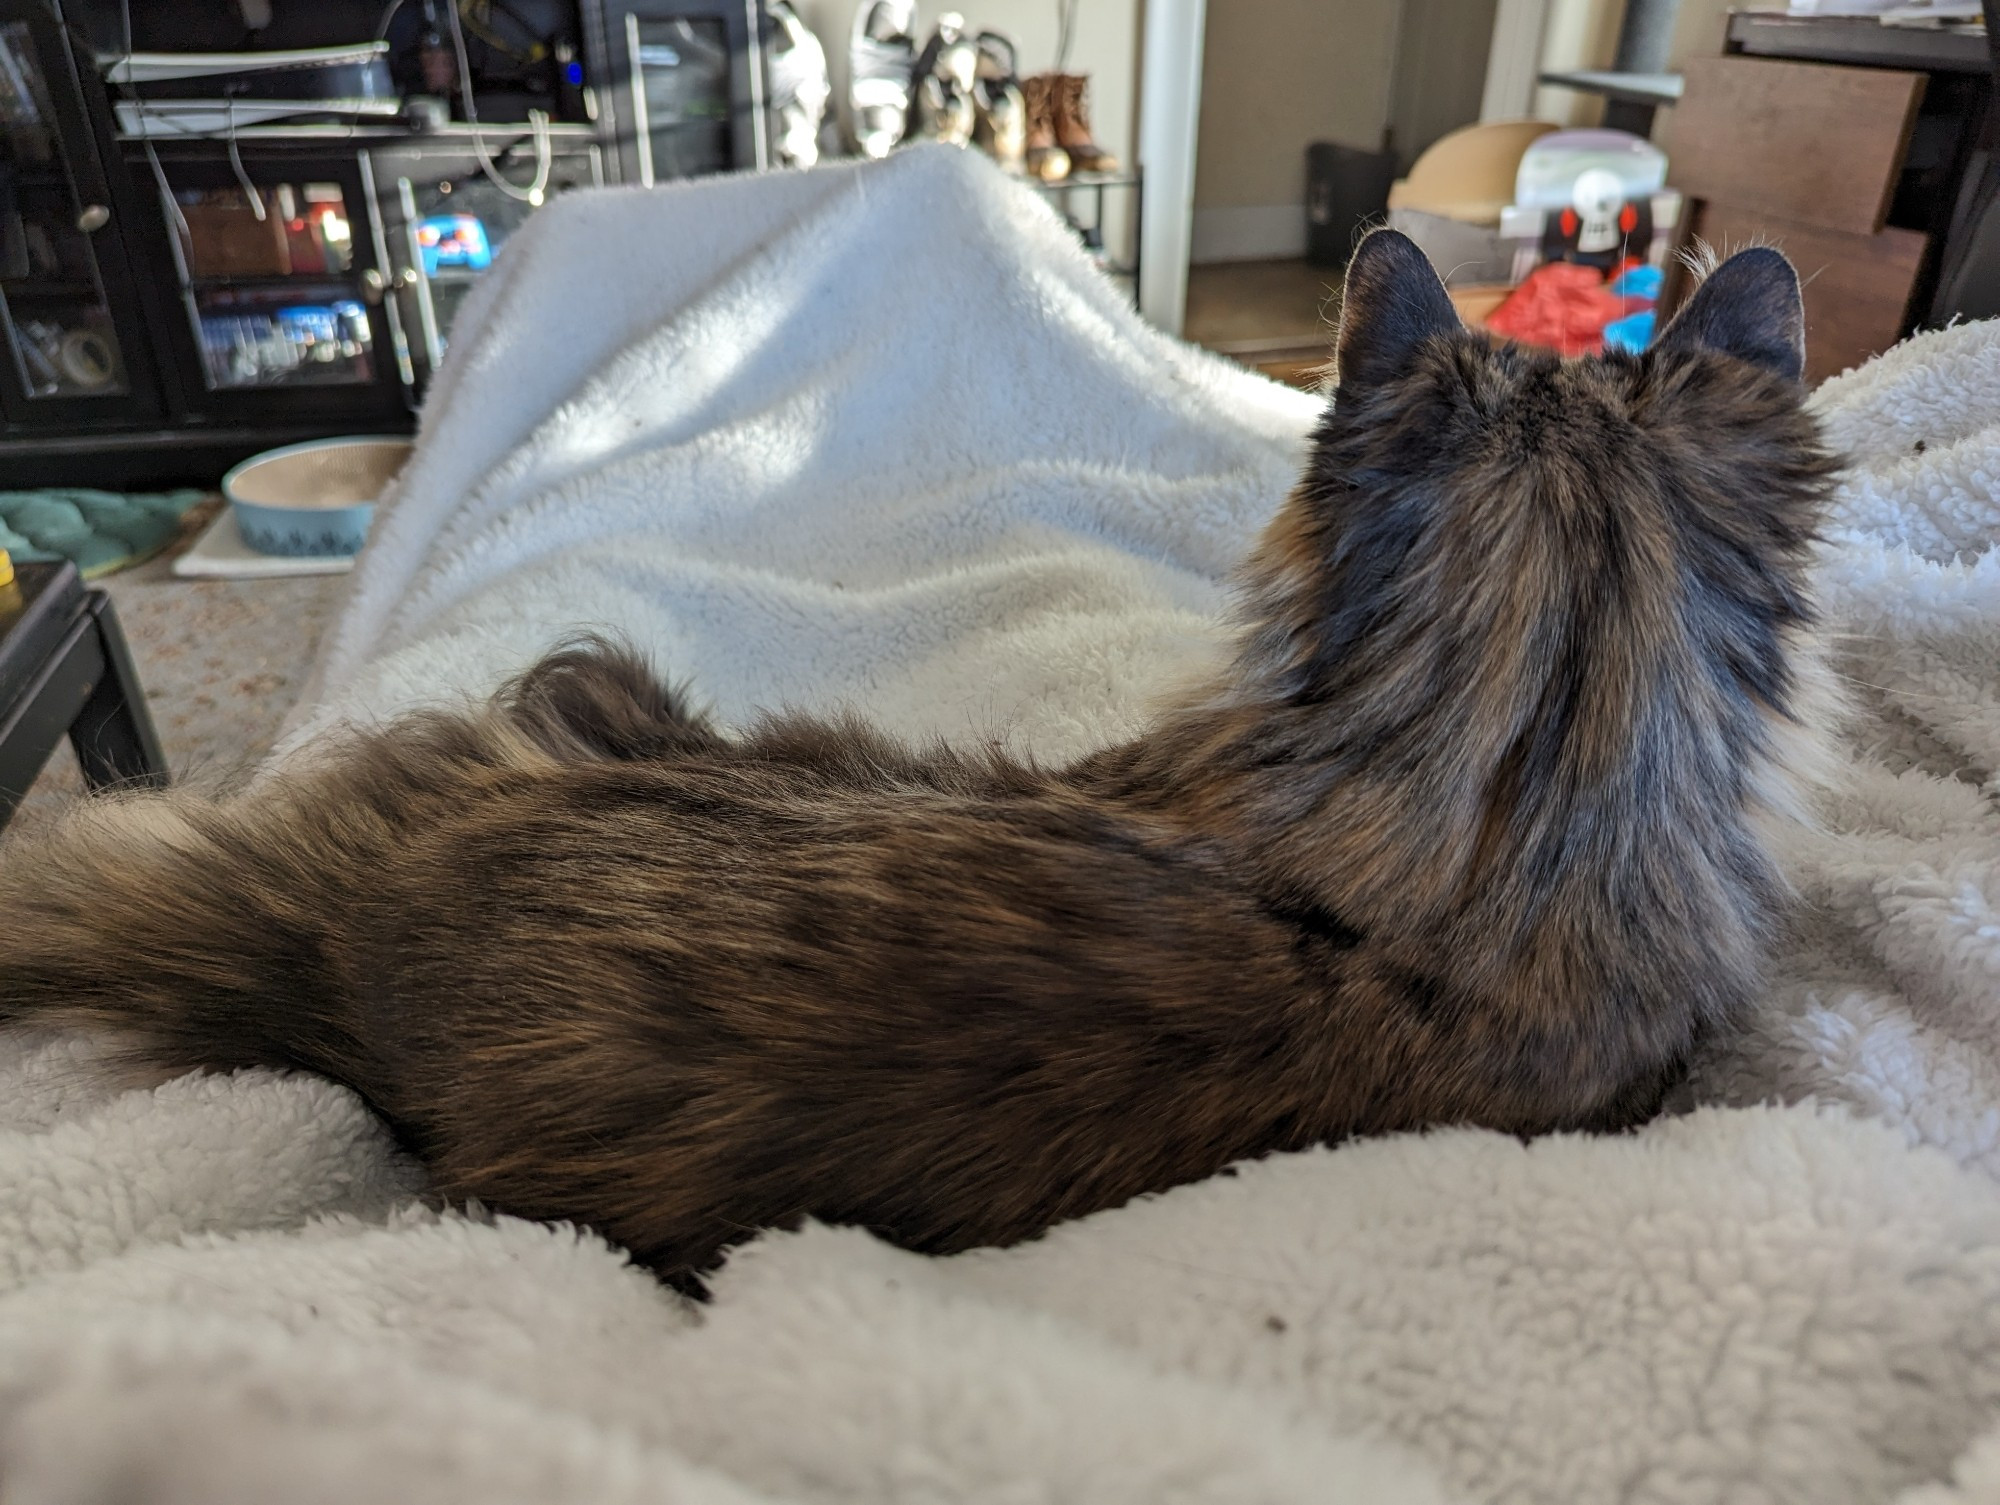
[1857,287]
[1814,143]
[1804,157]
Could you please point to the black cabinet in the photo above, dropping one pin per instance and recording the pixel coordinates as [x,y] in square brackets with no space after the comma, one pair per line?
[170,304]
[175,297]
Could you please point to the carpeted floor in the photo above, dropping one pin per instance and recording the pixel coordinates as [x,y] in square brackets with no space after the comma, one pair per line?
[222,661]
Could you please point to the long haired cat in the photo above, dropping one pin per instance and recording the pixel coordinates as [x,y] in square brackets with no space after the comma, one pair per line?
[1467,832]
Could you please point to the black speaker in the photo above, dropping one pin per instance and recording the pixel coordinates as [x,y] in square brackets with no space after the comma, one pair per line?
[1346,189]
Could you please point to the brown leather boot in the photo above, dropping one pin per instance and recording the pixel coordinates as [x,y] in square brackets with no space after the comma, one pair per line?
[1045,158]
[1072,124]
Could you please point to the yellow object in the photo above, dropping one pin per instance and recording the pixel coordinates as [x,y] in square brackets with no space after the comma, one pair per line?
[6,569]
[1469,175]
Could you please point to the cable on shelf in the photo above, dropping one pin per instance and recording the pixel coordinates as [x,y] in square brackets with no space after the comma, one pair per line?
[538,121]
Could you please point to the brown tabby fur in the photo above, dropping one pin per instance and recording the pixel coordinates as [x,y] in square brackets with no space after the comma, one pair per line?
[1466,833]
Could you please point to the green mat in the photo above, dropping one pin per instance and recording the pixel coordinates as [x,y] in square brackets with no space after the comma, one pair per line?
[101,530]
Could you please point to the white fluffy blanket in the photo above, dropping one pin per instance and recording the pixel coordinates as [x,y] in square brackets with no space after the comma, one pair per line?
[880,437]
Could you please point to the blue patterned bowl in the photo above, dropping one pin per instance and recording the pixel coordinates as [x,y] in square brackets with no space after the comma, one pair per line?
[312,500]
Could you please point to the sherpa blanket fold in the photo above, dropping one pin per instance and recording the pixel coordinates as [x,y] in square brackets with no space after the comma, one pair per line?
[880,437]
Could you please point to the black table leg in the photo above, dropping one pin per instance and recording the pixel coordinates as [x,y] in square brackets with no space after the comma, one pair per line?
[66,672]
[113,734]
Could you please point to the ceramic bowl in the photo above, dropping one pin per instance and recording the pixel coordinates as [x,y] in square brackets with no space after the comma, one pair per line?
[314,499]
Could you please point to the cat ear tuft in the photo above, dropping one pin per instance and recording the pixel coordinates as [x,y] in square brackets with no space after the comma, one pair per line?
[1749,308]
[1391,303]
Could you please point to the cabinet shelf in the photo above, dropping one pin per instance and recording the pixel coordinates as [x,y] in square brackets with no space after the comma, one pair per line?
[42,288]
[1085,180]
[318,133]
[304,282]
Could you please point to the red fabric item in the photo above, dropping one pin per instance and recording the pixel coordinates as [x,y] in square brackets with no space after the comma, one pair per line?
[1561,306]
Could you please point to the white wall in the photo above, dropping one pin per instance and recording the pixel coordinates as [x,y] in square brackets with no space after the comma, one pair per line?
[1277,75]
[1578,34]
[1701,27]
[1515,62]
[1169,118]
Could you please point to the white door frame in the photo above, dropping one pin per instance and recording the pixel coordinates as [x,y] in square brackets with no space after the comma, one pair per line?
[1169,113]
[1514,64]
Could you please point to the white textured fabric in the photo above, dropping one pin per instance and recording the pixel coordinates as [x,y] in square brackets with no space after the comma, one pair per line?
[878,436]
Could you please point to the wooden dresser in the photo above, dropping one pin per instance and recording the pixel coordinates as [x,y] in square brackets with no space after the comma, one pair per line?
[1867,175]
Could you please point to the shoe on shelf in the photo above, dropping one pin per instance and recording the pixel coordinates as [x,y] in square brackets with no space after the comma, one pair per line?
[880,58]
[1000,114]
[1072,125]
[1041,152]
[799,88]
[941,105]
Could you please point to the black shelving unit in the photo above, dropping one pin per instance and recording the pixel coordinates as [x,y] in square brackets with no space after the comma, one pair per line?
[128,356]
[1080,200]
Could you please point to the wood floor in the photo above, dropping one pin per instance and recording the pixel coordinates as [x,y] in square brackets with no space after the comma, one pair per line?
[1276,316]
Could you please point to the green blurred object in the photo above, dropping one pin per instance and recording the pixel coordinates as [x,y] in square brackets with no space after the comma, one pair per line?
[101,531]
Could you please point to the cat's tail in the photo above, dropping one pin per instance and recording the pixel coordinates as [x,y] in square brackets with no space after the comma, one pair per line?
[238,932]
[180,926]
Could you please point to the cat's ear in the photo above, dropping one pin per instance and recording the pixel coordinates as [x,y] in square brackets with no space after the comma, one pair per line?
[1390,304]
[1748,307]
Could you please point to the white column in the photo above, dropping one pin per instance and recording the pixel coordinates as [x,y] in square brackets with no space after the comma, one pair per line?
[1514,64]
[1169,112]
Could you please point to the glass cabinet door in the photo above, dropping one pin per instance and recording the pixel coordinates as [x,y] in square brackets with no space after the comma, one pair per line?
[448,223]
[684,85]
[62,346]
[680,96]
[269,285]
[279,289]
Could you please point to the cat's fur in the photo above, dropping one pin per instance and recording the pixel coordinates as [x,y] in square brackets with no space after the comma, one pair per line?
[1466,833]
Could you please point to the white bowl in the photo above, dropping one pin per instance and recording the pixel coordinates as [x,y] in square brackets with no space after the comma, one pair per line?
[314,499]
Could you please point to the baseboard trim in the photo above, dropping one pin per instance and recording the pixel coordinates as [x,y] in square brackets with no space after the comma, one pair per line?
[1260,232]
[1275,347]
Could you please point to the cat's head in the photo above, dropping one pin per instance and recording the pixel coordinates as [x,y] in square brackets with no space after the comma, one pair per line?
[1456,473]
[1488,535]
[1711,413]
[1747,308]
